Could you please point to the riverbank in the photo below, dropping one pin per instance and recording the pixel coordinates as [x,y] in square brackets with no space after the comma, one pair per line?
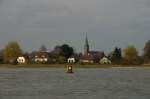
[74,66]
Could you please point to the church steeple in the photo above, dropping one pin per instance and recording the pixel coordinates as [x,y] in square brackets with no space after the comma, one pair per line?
[86,46]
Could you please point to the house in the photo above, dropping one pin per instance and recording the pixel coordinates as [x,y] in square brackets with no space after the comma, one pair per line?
[71,60]
[23,59]
[87,59]
[105,60]
[41,57]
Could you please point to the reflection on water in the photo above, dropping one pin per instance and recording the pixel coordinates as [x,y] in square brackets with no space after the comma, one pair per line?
[84,83]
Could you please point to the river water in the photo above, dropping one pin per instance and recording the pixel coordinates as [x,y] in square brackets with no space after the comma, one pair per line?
[50,83]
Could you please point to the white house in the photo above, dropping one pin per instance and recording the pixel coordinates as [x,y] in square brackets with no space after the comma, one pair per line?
[71,60]
[105,60]
[21,60]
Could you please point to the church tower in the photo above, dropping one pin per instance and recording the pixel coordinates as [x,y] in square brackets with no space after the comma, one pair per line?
[86,46]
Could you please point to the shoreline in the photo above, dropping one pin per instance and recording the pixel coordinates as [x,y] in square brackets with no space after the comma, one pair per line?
[74,66]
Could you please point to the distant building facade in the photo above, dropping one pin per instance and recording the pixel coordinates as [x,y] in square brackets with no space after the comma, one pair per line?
[71,60]
[105,60]
[87,59]
[41,57]
[23,59]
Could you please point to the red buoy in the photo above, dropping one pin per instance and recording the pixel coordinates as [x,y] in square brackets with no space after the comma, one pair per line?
[69,69]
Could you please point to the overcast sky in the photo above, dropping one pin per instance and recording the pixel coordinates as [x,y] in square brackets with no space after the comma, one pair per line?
[108,23]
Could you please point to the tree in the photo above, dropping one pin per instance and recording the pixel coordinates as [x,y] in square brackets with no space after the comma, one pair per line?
[147,51]
[116,56]
[62,53]
[57,50]
[11,52]
[1,56]
[130,55]
[61,59]
[67,51]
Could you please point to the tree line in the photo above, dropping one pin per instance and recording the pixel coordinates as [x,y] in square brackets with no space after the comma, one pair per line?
[126,56]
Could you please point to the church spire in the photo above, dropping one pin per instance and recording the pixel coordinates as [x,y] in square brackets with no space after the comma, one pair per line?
[86,46]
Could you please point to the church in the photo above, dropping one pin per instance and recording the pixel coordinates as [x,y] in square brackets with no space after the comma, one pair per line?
[90,56]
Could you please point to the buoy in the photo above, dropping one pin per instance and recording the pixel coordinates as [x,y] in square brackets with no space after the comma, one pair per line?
[69,69]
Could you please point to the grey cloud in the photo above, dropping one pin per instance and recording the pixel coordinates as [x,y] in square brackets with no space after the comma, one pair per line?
[108,22]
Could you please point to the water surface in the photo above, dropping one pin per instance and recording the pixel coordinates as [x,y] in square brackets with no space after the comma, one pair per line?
[50,83]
